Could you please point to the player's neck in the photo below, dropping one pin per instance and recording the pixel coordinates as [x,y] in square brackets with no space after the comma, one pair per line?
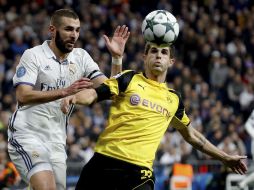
[159,78]
[59,55]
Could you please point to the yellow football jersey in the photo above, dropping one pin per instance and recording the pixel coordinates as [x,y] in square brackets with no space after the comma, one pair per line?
[141,112]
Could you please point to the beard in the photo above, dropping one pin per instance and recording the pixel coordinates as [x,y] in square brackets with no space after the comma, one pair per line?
[61,45]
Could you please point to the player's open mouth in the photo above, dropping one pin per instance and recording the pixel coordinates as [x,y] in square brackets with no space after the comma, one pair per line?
[70,43]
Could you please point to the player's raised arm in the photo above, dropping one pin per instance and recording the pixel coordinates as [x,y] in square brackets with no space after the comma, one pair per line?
[116,46]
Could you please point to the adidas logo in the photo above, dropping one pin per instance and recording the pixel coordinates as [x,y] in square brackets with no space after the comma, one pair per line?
[47,68]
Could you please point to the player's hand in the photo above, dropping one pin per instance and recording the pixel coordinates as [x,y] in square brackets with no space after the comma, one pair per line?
[117,43]
[77,86]
[66,102]
[236,163]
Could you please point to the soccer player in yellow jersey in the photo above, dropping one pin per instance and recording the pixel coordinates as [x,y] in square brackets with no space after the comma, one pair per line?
[141,111]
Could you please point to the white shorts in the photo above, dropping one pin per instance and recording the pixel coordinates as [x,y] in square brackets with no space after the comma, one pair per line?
[31,156]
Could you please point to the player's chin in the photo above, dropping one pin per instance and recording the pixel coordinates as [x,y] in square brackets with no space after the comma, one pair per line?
[69,46]
[157,71]
[157,68]
[68,49]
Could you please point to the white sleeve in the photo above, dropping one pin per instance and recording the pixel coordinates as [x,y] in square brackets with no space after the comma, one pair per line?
[26,70]
[91,68]
[249,125]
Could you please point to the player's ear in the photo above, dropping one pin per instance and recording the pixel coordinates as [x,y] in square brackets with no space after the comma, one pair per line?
[52,31]
[171,62]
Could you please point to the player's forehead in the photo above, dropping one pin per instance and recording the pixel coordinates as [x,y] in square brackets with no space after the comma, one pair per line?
[159,46]
[67,21]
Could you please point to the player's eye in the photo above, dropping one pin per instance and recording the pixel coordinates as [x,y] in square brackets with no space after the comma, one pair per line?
[164,51]
[69,28]
[154,50]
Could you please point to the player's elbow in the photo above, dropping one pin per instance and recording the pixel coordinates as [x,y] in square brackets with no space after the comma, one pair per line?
[22,100]
[190,139]
[24,94]
[188,135]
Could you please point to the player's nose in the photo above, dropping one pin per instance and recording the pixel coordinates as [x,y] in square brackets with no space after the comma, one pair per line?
[158,54]
[74,35]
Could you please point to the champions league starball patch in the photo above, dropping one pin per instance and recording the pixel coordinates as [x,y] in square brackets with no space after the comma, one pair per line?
[21,71]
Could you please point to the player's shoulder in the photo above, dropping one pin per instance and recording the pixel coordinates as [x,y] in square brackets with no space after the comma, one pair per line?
[79,52]
[173,91]
[32,52]
[35,49]
[125,73]
[124,79]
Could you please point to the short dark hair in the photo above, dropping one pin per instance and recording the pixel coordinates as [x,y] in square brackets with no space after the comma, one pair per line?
[148,47]
[58,14]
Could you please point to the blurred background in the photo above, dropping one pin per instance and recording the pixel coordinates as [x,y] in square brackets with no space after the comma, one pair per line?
[214,71]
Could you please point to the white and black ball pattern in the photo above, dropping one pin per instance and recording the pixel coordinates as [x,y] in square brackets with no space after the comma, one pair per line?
[160,27]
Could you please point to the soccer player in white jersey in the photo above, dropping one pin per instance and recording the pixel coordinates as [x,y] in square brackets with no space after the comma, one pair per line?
[45,74]
[249,126]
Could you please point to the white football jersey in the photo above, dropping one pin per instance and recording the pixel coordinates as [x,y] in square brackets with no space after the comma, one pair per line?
[39,68]
[249,126]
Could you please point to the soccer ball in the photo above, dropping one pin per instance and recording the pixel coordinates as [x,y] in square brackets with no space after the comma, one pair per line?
[160,27]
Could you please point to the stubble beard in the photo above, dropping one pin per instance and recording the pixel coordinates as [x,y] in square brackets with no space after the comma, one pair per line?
[60,44]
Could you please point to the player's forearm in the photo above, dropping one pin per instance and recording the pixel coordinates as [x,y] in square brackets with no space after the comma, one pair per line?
[116,65]
[38,97]
[199,142]
[85,97]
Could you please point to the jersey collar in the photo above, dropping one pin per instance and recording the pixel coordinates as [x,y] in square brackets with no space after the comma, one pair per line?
[50,54]
[163,84]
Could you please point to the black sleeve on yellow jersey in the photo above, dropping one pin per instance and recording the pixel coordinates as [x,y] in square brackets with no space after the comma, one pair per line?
[180,109]
[103,92]
[124,80]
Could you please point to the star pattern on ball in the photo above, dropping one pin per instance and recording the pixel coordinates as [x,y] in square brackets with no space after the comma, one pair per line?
[158,40]
[149,24]
[168,26]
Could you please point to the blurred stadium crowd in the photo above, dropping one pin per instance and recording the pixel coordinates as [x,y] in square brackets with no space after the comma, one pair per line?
[214,67]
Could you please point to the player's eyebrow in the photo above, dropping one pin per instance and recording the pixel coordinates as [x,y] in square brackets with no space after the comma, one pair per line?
[68,27]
